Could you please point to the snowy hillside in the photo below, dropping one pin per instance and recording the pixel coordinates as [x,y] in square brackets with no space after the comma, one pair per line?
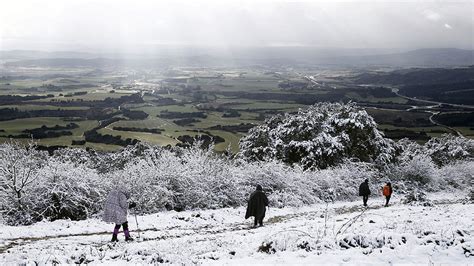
[191,201]
[439,230]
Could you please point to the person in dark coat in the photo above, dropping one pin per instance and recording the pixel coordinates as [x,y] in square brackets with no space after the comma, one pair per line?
[115,211]
[256,206]
[364,191]
[387,192]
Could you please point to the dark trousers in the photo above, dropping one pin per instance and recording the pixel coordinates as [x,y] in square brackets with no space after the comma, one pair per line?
[387,199]
[124,225]
[125,231]
[258,220]
[365,199]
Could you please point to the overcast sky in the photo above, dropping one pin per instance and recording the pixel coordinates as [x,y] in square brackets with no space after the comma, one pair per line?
[126,25]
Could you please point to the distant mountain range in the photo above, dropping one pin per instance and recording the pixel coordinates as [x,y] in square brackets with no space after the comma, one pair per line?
[418,76]
[32,54]
[439,57]
[420,57]
[446,85]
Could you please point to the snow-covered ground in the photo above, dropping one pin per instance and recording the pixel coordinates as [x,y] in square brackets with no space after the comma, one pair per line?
[336,233]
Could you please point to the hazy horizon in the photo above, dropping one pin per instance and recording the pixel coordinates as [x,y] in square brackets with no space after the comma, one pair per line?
[142,27]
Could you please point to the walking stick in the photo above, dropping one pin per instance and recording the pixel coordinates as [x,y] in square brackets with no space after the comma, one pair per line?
[136,221]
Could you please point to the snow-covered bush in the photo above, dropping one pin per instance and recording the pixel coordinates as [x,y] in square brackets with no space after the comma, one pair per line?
[458,174]
[19,169]
[73,183]
[202,180]
[180,178]
[185,178]
[449,148]
[35,186]
[146,185]
[68,190]
[440,163]
[408,149]
[319,137]
[415,196]
[420,169]
[287,186]
[338,183]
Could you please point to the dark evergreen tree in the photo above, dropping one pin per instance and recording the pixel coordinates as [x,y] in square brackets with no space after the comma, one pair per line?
[319,137]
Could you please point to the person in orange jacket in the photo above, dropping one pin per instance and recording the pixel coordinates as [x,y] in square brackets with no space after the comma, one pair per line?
[387,192]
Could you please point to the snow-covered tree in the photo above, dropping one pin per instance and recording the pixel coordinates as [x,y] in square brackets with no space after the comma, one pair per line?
[19,168]
[320,136]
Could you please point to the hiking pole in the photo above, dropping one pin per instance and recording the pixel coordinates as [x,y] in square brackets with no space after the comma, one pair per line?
[136,221]
[268,211]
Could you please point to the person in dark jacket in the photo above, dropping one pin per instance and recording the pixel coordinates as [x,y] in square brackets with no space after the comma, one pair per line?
[387,192]
[115,211]
[256,206]
[364,191]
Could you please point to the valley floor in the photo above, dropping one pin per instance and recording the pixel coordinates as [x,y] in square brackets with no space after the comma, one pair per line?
[336,233]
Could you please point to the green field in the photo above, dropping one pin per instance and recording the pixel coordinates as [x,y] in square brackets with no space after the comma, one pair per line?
[193,90]
[32,107]
[15,127]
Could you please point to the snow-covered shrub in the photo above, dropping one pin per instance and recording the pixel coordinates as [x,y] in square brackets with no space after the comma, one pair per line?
[409,149]
[319,137]
[286,186]
[266,248]
[415,196]
[179,179]
[201,180]
[147,187]
[458,174]
[290,240]
[413,166]
[113,161]
[73,183]
[35,186]
[289,186]
[77,156]
[19,168]
[420,169]
[69,190]
[342,182]
[449,148]
[371,242]
[186,178]
[68,185]
[442,150]
[440,163]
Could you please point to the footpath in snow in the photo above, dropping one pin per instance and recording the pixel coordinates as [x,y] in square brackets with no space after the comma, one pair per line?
[334,233]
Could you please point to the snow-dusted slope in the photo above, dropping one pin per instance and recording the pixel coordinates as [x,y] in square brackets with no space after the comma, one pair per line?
[341,232]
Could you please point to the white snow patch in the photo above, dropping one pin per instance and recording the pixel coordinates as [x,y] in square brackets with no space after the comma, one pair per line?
[335,233]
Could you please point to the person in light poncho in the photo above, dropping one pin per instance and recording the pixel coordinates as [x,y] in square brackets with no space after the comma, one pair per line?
[115,211]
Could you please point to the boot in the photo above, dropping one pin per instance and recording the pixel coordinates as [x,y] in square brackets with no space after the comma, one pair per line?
[127,235]
[114,235]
